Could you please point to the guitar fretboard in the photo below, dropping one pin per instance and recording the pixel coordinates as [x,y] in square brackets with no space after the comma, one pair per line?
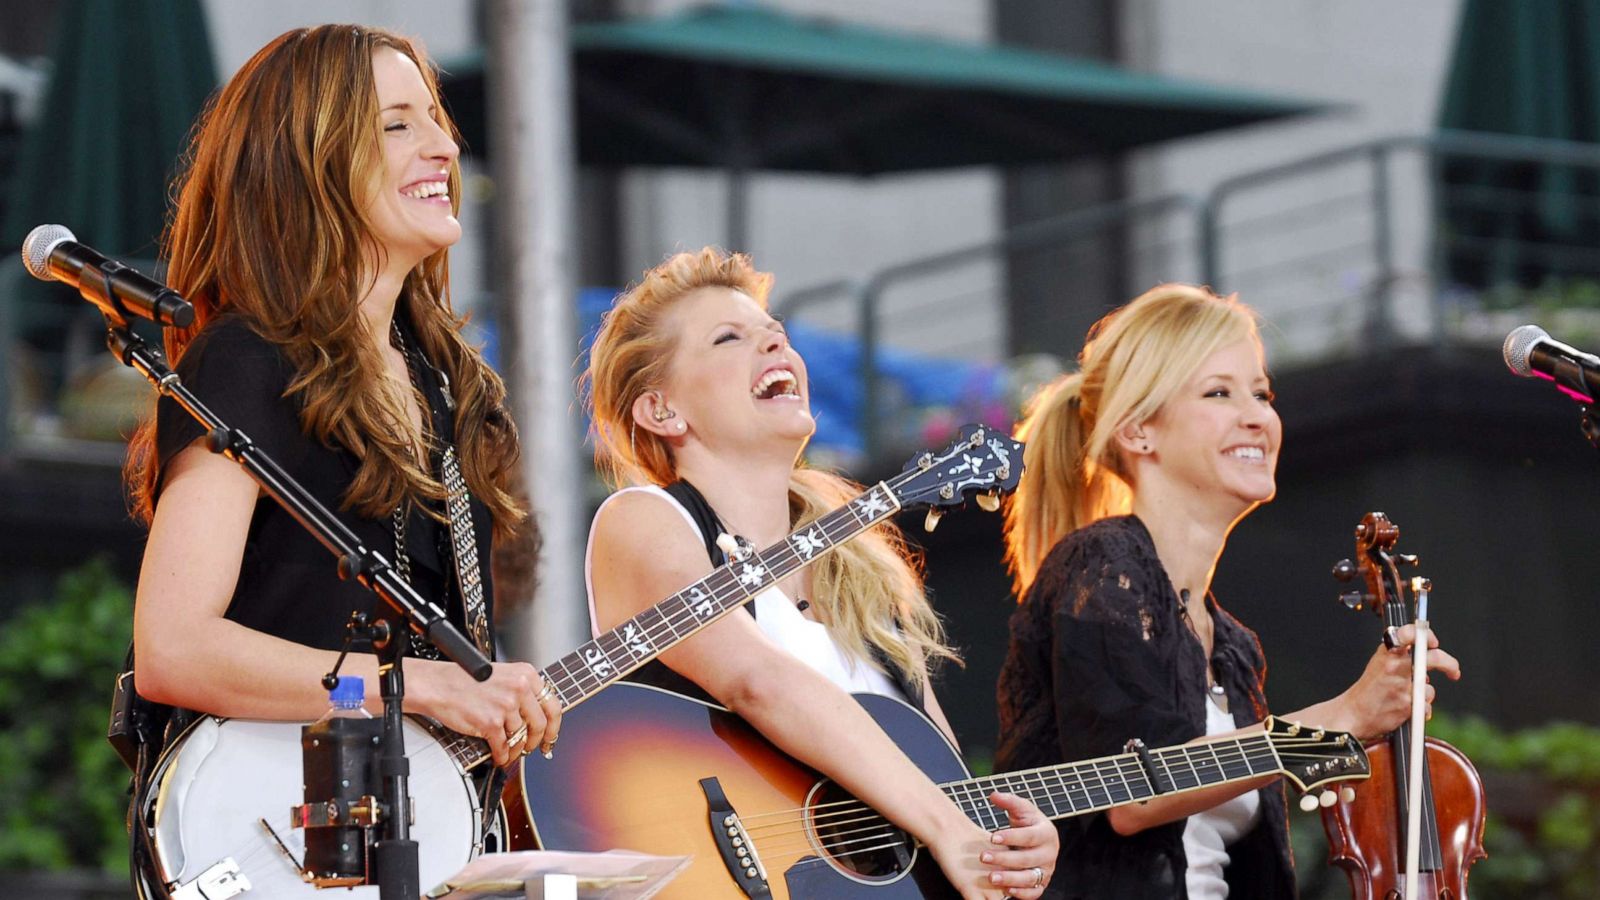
[1096,784]
[603,660]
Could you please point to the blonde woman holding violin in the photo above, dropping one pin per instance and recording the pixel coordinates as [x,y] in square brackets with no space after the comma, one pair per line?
[1139,465]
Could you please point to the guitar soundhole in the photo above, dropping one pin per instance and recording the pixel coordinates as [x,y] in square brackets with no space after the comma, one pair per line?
[854,839]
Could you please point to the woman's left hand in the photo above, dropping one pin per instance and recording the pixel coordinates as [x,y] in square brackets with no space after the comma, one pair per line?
[1024,857]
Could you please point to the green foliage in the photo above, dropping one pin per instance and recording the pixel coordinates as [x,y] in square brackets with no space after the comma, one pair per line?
[1551,294]
[1553,851]
[63,791]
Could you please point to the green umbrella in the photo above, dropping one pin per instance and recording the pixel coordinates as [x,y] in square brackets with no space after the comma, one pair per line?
[1529,69]
[128,78]
[742,87]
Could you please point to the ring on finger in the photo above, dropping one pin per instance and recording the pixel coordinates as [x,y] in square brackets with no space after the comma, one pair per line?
[1038,877]
[546,692]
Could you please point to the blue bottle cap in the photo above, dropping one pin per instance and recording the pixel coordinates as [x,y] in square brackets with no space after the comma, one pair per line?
[349,693]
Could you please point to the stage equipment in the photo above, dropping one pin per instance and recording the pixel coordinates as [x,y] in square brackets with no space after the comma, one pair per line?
[52,253]
[1531,353]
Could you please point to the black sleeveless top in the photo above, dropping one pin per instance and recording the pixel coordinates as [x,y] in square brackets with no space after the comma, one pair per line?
[657,674]
[288,585]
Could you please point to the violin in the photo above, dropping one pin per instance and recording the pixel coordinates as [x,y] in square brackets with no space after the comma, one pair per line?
[1367,827]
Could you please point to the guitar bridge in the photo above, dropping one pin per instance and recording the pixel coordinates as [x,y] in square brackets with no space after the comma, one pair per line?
[738,853]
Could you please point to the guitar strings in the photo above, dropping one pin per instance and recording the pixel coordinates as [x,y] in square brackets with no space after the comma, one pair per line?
[797,824]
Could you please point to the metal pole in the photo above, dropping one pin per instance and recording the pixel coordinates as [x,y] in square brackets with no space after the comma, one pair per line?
[738,229]
[867,328]
[1207,222]
[532,145]
[1380,306]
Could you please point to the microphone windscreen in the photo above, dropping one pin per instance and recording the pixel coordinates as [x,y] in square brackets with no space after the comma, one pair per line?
[1519,346]
[37,246]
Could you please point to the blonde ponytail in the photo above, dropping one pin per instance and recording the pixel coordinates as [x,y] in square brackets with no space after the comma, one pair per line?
[1063,488]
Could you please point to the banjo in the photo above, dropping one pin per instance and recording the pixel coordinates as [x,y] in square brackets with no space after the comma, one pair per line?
[218,811]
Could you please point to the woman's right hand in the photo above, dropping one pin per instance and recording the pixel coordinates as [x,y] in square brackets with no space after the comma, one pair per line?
[505,710]
[1381,698]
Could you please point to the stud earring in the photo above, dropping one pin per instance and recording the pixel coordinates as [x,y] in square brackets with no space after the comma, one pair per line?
[662,414]
[682,426]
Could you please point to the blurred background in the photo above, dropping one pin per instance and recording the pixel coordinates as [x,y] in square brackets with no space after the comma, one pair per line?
[949,192]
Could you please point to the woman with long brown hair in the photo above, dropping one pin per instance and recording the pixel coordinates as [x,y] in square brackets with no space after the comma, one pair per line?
[316,208]
[1138,467]
[701,408]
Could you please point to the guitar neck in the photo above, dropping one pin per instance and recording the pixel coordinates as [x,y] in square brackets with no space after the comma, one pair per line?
[600,662]
[1079,787]
[606,659]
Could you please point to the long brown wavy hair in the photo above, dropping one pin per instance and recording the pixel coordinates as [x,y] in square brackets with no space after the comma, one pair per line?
[270,225]
[868,591]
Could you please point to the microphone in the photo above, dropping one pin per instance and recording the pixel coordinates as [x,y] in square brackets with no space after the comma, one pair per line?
[52,253]
[1530,352]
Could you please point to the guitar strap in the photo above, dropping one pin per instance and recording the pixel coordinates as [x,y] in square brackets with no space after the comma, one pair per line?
[705,519]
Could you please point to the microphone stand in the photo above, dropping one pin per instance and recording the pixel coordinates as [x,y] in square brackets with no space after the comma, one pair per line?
[1589,424]
[395,852]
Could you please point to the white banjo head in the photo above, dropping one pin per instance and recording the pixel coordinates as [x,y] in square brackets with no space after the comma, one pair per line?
[223,776]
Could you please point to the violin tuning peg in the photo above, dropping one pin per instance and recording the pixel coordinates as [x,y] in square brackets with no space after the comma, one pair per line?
[1354,599]
[931,521]
[1327,799]
[1347,794]
[1406,559]
[989,501]
[1308,803]
[1344,570]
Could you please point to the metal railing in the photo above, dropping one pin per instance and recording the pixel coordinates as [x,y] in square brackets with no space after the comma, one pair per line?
[870,297]
[1343,252]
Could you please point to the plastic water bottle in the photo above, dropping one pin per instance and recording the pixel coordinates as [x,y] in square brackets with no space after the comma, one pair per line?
[347,699]
[338,756]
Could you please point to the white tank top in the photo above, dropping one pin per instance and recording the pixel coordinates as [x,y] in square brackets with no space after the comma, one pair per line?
[776,616]
[1206,835]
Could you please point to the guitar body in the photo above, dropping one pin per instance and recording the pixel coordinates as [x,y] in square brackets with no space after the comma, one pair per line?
[627,775]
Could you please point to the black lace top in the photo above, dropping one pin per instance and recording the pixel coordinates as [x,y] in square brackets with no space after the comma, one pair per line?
[1100,654]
